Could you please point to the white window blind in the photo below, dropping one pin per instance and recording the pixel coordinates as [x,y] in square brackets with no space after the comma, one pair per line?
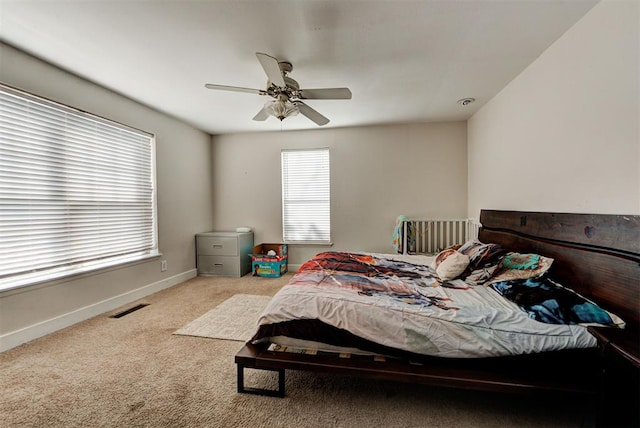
[77,192]
[306,213]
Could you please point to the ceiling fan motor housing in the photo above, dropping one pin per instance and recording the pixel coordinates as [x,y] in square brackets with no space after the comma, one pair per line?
[290,91]
[285,66]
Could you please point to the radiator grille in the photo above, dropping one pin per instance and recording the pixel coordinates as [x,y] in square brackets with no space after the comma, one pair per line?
[434,235]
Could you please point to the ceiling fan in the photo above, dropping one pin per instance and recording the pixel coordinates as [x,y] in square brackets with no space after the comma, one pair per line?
[286,92]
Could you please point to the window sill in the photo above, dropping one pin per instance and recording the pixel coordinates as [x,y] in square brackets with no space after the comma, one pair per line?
[61,275]
[310,243]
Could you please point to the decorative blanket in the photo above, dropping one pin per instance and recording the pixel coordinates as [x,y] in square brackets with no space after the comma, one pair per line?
[399,302]
[398,233]
[548,302]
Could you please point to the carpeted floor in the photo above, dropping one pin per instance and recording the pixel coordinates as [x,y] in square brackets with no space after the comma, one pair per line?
[133,371]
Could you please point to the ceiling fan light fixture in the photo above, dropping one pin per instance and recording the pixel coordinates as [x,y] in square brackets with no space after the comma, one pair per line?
[281,109]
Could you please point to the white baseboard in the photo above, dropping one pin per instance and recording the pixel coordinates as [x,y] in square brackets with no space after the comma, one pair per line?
[293,268]
[18,337]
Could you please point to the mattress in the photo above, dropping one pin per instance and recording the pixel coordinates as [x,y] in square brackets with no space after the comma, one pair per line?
[396,302]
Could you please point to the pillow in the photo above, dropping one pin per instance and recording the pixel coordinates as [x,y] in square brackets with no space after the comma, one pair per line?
[547,301]
[480,254]
[449,264]
[521,261]
[525,266]
[480,276]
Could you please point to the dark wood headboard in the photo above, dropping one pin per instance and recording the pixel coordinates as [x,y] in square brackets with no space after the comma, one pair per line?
[597,255]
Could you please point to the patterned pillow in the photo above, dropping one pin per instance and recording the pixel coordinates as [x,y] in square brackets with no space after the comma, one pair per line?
[521,266]
[449,264]
[480,254]
[480,276]
[521,261]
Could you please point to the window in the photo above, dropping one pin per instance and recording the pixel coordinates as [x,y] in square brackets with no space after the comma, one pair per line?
[306,215]
[77,192]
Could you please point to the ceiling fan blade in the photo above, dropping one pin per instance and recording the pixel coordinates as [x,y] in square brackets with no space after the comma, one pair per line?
[262,114]
[326,94]
[272,69]
[235,89]
[311,113]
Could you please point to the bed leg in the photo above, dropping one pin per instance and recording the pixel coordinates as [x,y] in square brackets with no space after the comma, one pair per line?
[260,391]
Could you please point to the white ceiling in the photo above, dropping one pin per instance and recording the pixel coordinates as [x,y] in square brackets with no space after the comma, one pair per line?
[404,61]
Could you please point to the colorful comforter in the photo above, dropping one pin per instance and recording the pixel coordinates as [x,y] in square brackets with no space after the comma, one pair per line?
[399,303]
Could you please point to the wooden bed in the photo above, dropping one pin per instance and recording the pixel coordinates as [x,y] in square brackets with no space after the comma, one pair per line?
[596,255]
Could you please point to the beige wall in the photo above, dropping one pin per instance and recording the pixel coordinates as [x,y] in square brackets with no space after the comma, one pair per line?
[184,206]
[563,135]
[377,173]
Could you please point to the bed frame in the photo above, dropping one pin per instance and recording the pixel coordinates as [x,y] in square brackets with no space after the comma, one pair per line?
[596,255]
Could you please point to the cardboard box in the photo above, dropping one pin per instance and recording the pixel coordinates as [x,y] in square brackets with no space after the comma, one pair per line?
[268,266]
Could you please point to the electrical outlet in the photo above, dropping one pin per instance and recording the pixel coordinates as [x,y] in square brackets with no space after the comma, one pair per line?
[163,265]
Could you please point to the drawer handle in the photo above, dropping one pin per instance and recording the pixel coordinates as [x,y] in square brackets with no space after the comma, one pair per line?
[217,245]
[218,264]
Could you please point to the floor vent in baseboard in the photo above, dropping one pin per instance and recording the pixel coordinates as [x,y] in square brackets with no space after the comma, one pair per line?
[128,311]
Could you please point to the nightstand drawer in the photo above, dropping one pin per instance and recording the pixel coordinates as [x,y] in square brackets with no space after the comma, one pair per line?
[217,245]
[218,265]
